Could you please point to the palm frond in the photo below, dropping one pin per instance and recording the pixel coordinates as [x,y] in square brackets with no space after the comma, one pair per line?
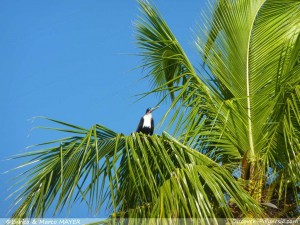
[150,176]
[168,67]
[250,52]
[60,172]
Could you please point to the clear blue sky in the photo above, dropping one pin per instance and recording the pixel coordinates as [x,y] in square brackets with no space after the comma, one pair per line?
[74,61]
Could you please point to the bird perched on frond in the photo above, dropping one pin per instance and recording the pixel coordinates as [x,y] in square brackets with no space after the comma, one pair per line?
[146,124]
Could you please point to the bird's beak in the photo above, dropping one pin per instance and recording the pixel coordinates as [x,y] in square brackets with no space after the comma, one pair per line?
[152,109]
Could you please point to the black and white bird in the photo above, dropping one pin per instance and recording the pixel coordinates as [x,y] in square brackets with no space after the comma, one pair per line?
[146,124]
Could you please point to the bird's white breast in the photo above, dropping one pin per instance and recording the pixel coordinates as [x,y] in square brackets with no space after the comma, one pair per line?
[147,120]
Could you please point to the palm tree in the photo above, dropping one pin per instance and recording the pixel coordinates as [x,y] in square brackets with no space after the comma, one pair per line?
[234,150]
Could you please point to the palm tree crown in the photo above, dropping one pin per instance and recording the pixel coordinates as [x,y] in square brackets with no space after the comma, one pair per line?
[238,113]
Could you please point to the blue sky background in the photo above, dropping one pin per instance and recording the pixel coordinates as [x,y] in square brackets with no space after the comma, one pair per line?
[74,61]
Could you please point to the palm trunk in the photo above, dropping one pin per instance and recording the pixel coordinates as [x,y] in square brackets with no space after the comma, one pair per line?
[253,173]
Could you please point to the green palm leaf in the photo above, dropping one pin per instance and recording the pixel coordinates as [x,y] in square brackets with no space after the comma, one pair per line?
[157,174]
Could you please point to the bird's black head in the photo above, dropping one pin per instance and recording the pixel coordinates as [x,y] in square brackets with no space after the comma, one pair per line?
[150,110]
